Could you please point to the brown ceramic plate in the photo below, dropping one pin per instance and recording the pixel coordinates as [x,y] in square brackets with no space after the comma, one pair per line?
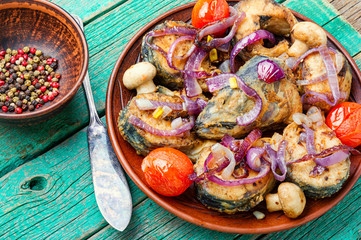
[186,206]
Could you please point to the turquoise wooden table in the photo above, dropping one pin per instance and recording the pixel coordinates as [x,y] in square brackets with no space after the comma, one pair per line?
[46,186]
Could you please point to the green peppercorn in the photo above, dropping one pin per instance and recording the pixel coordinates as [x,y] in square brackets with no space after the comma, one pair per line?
[52,74]
[50,70]
[38,53]
[15,99]
[26,49]
[55,89]
[46,92]
[36,73]
[31,88]
[32,99]
[10,94]
[16,69]
[27,76]
[38,91]
[8,51]
[29,67]
[28,83]
[13,89]
[30,61]
[22,68]
[3,98]
[25,101]
[14,52]
[42,81]
[7,74]
[47,84]
[34,95]
[36,59]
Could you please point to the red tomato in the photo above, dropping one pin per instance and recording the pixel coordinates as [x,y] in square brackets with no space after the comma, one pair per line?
[166,171]
[345,120]
[207,11]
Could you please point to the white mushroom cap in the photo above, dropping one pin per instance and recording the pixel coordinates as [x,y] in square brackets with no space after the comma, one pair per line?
[306,35]
[292,199]
[140,76]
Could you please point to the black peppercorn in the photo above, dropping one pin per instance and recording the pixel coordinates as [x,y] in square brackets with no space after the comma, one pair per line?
[7,103]
[11,108]
[37,85]
[24,107]
[41,101]
[31,107]
[19,103]
[34,102]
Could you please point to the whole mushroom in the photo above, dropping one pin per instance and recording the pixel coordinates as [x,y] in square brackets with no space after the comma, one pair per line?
[289,198]
[306,35]
[140,77]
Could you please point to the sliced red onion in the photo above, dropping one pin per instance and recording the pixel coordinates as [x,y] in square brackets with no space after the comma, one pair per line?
[247,143]
[172,48]
[312,81]
[325,153]
[254,158]
[193,177]
[315,115]
[281,161]
[166,111]
[219,26]
[269,71]
[310,140]
[290,62]
[191,106]
[229,183]
[206,162]
[220,151]
[332,159]
[168,31]
[340,60]
[164,133]
[222,80]
[250,39]
[201,103]
[145,104]
[227,140]
[303,56]
[194,62]
[216,42]
[300,118]
[302,137]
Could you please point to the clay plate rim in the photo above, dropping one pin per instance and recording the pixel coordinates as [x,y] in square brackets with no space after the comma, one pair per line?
[164,202]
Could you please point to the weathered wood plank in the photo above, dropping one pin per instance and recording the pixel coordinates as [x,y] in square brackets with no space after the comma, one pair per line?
[350,10]
[86,9]
[48,198]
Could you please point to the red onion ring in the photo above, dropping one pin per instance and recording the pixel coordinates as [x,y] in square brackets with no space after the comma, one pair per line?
[229,183]
[191,106]
[222,80]
[254,158]
[155,104]
[201,103]
[216,42]
[172,50]
[218,26]
[247,143]
[281,161]
[167,31]
[164,133]
[325,153]
[190,51]
[310,139]
[194,62]
[332,159]
[250,39]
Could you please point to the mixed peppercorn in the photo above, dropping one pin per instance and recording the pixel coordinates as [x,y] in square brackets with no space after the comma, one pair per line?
[27,79]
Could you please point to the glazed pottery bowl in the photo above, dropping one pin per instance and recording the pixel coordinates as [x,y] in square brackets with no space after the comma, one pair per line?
[49,28]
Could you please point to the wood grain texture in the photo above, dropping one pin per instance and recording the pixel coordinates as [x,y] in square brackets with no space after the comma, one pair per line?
[66,208]
[350,10]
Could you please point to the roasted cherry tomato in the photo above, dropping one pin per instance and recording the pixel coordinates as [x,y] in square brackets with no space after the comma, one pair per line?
[166,171]
[207,11]
[345,120]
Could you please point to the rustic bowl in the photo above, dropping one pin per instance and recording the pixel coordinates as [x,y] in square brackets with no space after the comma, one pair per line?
[186,206]
[47,27]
